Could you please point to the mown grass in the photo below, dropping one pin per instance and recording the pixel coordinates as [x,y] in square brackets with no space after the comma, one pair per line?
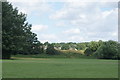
[59,68]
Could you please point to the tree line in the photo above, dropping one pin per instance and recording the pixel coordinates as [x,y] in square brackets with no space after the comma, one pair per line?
[100,49]
[17,38]
[104,49]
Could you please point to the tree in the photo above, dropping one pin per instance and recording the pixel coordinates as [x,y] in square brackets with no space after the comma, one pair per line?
[118,52]
[50,50]
[16,32]
[88,52]
[65,47]
[108,50]
[92,47]
[81,46]
[46,43]
[37,48]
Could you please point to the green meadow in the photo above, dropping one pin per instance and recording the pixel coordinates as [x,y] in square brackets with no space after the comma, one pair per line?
[59,68]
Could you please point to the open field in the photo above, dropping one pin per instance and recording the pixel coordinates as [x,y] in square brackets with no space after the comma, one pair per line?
[59,68]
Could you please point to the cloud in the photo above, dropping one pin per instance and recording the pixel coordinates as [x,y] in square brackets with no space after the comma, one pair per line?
[77,21]
[76,38]
[47,37]
[60,24]
[95,20]
[72,31]
[29,7]
[39,27]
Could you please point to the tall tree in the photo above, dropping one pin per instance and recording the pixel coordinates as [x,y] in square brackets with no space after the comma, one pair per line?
[16,32]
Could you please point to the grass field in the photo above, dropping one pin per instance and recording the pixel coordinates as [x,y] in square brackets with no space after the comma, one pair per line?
[59,68]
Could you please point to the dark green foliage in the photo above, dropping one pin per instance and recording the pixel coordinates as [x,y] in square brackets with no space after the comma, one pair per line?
[118,51]
[46,43]
[16,33]
[108,50]
[81,46]
[65,47]
[88,52]
[104,50]
[92,47]
[50,50]
[7,54]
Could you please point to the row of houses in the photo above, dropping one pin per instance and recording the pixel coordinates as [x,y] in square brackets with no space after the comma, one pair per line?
[60,48]
[57,48]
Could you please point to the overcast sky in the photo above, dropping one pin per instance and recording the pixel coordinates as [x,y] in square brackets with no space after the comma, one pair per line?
[71,21]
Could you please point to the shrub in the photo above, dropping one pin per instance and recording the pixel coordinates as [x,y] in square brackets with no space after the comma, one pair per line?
[6,54]
[88,51]
[50,50]
[108,50]
[92,47]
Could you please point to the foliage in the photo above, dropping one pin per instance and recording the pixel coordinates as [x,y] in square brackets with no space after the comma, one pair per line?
[92,47]
[65,47]
[50,50]
[16,32]
[88,52]
[108,50]
[71,45]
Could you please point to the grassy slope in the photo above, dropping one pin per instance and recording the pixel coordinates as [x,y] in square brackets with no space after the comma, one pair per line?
[59,68]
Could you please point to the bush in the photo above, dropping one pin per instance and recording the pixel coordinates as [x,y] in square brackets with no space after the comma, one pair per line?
[6,54]
[50,50]
[92,47]
[108,50]
[119,51]
[88,52]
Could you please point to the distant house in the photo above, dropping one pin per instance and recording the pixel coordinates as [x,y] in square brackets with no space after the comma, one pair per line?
[72,49]
[75,49]
[58,48]
[55,48]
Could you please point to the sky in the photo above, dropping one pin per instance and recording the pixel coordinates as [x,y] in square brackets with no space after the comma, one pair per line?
[71,21]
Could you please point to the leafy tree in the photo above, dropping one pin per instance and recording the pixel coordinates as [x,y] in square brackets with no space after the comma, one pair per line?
[65,47]
[108,50]
[92,47]
[118,51]
[81,46]
[88,52]
[16,32]
[46,43]
[37,48]
[50,50]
